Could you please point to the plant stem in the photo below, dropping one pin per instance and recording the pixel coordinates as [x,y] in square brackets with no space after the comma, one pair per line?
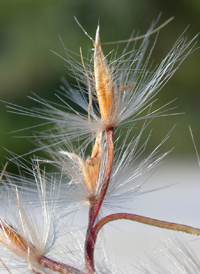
[96,203]
[109,163]
[58,267]
[143,220]
[93,232]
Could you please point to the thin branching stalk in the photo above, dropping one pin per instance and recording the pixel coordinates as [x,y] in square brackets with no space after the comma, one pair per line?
[58,267]
[144,220]
[95,204]
[136,218]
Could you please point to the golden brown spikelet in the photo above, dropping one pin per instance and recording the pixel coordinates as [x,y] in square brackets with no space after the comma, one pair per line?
[94,162]
[103,81]
[12,240]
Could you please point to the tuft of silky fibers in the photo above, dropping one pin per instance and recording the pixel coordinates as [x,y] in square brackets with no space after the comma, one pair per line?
[72,251]
[175,257]
[134,85]
[82,172]
[128,168]
[28,224]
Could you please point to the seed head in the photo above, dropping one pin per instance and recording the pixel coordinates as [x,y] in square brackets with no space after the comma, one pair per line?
[103,81]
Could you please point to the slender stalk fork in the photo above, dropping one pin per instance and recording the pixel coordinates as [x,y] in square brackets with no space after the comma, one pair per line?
[143,220]
[93,232]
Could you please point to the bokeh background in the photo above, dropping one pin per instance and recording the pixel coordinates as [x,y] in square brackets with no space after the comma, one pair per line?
[29,29]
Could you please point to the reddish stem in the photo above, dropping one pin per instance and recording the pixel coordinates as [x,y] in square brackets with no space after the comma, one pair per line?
[109,163]
[133,217]
[143,220]
[95,204]
[58,267]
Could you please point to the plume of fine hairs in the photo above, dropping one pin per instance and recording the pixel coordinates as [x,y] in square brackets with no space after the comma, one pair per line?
[72,251]
[123,184]
[27,224]
[175,257]
[70,162]
[133,84]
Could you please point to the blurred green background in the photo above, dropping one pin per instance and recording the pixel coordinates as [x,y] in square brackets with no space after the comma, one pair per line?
[29,29]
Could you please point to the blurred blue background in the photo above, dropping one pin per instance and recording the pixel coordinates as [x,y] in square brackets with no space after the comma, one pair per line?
[29,29]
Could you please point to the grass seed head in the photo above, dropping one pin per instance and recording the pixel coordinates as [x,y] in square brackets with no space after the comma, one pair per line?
[103,81]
